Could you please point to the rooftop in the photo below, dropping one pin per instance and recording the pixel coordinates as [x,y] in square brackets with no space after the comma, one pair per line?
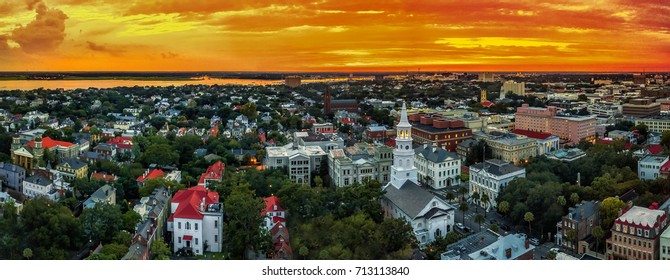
[496,167]
[651,159]
[641,217]
[461,249]
[532,134]
[410,198]
[435,154]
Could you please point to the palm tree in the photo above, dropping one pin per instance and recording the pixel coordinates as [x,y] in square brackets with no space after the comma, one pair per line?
[462,191]
[450,196]
[571,235]
[529,217]
[485,199]
[480,219]
[475,197]
[464,208]
[503,207]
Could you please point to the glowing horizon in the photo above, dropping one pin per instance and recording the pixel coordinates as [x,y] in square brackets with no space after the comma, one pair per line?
[335,36]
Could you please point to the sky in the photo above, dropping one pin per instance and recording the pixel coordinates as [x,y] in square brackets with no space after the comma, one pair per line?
[335,35]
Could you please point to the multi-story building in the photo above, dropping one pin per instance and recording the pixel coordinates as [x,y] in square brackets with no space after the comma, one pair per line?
[577,225]
[641,107]
[153,210]
[12,175]
[437,129]
[39,185]
[437,168]
[196,221]
[274,221]
[323,128]
[104,195]
[465,148]
[655,124]
[359,163]
[292,81]
[332,106]
[299,161]
[508,247]
[545,142]
[73,169]
[486,77]
[430,216]
[214,173]
[635,234]
[491,177]
[513,87]
[512,148]
[30,155]
[570,128]
[665,245]
[376,132]
[649,167]
[310,139]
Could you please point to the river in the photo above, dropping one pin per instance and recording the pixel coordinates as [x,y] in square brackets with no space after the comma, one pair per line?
[75,84]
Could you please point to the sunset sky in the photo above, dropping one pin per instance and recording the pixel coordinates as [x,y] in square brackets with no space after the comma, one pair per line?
[335,35]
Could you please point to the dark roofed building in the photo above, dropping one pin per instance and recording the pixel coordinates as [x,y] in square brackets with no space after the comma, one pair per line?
[580,219]
[331,106]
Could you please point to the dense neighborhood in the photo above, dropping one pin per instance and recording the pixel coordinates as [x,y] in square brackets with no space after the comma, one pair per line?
[450,166]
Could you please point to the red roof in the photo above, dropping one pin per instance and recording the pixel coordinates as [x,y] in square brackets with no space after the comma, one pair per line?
[348,120]
[49,143]
[189,202]
[665,168]
[532,134]
[101,176]
[655,149]
[152,175]
[277,219]
[121,142]
[487,104]
[214,172]
[270,203]
[390,143]
[188,237]
[262,137]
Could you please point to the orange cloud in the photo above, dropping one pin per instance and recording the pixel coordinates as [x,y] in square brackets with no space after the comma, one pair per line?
[45,33]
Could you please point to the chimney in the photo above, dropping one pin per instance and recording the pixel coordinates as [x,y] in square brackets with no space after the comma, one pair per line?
[202,205]
[508,253]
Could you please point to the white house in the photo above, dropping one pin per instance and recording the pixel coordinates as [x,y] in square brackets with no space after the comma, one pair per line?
[196,221]
[491,177]
[429,215]
[360,162]
[38,185]
[437,167]
[300,161]
[649,167]
[273,213]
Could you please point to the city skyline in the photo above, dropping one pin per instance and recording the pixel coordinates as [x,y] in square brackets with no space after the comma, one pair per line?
[347,36]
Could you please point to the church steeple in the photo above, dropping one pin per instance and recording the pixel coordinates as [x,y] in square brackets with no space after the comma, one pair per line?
[403,156]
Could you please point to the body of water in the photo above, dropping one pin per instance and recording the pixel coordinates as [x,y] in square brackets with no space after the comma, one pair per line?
[75,84]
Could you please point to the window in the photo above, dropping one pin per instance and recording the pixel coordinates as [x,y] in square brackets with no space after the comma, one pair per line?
[216,238]
[196,226]
[196,241]
[188,225]
[216,224]
[178,239]
[179,226]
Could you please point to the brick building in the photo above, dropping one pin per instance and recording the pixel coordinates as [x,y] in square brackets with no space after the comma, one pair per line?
[571,129]
[635,234]
[438,130]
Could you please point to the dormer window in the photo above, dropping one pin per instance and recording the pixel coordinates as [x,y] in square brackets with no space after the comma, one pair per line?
[275,207]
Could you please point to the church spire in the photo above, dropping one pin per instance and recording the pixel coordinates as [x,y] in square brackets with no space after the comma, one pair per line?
[403,115]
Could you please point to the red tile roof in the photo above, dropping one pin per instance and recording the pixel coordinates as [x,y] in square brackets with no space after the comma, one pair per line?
[49,143]
[156,173]
[532,134]
[487,104]
[665,168]
[121,142]
[214,172]
[189,201]
[655,149]
[270,202]
[348,121]
[101,176]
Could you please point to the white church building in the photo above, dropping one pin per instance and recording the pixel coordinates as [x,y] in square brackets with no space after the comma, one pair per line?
[429,215]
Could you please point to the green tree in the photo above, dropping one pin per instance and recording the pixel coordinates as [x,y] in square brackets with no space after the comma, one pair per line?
[462,191]
[485,200]
[551,256]
[115,251]
[130,220]
[50,229]
[249,110]
[27,253]
[475,197]
[464,208]
[561,201]
[599,234]
[609,211]
[161,154]
[504,207]
[529,217]
[574,198]
[479,218]
[152,184]
[303,251]
[159,250]
[450,196]
[102,222]
[242,227]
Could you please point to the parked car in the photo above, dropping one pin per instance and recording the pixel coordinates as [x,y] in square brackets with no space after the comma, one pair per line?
[534,241]
[523,235]
[554,250]
[460,226]
[505,227]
